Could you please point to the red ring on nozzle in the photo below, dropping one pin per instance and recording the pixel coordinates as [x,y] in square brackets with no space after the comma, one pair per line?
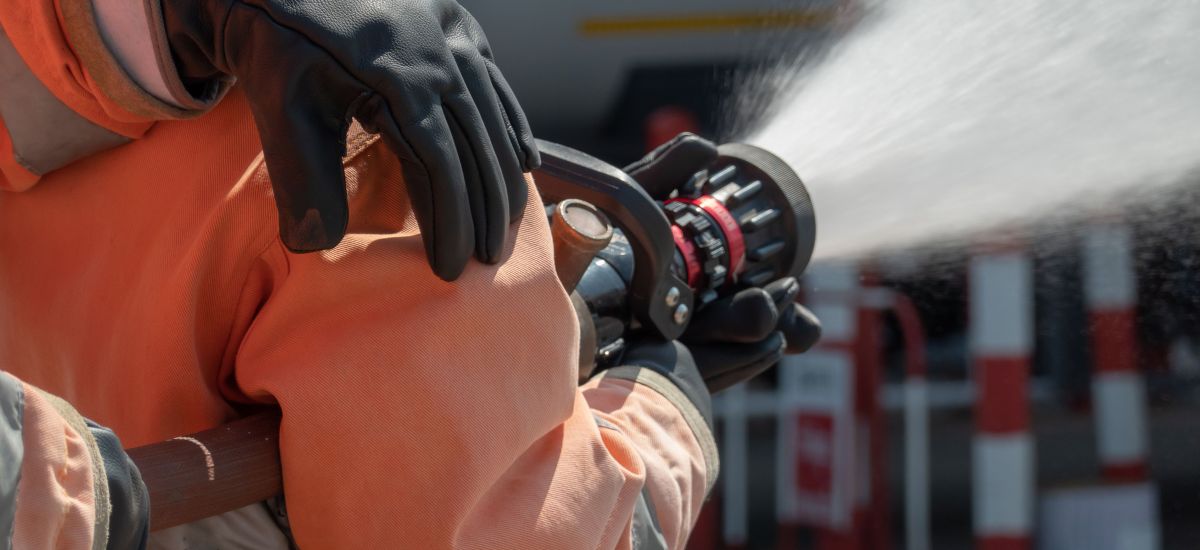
[729,226]
[688,251]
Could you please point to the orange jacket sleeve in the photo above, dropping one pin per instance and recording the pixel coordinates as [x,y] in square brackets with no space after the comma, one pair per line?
[426,414]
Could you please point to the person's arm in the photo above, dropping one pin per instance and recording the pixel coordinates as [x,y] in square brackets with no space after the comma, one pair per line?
[65,481]
[427,414]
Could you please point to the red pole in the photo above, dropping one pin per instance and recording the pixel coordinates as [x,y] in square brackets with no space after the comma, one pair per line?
[871,510]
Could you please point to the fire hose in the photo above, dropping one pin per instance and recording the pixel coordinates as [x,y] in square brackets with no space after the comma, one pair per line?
[633,265]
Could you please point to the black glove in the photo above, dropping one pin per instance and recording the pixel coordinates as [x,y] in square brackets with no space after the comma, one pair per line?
[419,72]
[671,164]
[738,337]
[731,340]
[129,517]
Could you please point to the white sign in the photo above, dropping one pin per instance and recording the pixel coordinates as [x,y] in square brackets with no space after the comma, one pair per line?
[816,439]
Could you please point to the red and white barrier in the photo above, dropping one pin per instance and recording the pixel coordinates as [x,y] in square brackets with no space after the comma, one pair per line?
[830,470]
[826,422]
[1001,340]
[1118,391]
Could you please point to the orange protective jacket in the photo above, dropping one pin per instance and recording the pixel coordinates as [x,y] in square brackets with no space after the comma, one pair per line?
[146,285]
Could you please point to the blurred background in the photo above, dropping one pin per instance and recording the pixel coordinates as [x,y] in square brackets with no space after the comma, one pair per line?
[1006,260]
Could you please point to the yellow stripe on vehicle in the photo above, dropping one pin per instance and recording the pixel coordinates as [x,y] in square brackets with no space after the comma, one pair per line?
[706,22]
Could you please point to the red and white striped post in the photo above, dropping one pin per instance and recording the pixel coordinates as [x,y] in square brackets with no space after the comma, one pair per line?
[1001,340]
[1118,391]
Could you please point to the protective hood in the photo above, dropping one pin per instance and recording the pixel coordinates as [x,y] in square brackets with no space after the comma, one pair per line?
[56,98]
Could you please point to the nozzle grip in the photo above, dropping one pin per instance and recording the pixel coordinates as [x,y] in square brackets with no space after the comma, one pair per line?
[567,173]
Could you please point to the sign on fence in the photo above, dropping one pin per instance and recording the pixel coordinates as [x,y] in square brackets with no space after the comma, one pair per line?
[816,439]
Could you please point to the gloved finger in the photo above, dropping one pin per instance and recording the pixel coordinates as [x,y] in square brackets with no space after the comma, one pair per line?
[475,62]
[303,147]
[531,159]
[501,134]
[486,190]
[783,291]
[747,316]
[672,164]
[801,328]
[725,365]
[436,185]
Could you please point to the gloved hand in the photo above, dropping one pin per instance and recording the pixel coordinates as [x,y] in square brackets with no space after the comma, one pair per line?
[419,72]
[731,341]
[738,337]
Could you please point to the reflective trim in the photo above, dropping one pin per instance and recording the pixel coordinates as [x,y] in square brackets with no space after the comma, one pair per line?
[605,424]
[12,452]
[645,531]
[46,134]
[695,420]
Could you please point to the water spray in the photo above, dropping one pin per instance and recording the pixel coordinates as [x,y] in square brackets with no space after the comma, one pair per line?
[934,122]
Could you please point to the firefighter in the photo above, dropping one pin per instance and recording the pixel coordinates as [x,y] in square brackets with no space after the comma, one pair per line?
[192,227]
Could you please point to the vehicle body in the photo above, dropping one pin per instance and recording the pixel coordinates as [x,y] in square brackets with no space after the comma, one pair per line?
[583,68]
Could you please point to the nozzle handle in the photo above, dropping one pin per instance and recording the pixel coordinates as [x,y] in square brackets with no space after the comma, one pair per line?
[570,174]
